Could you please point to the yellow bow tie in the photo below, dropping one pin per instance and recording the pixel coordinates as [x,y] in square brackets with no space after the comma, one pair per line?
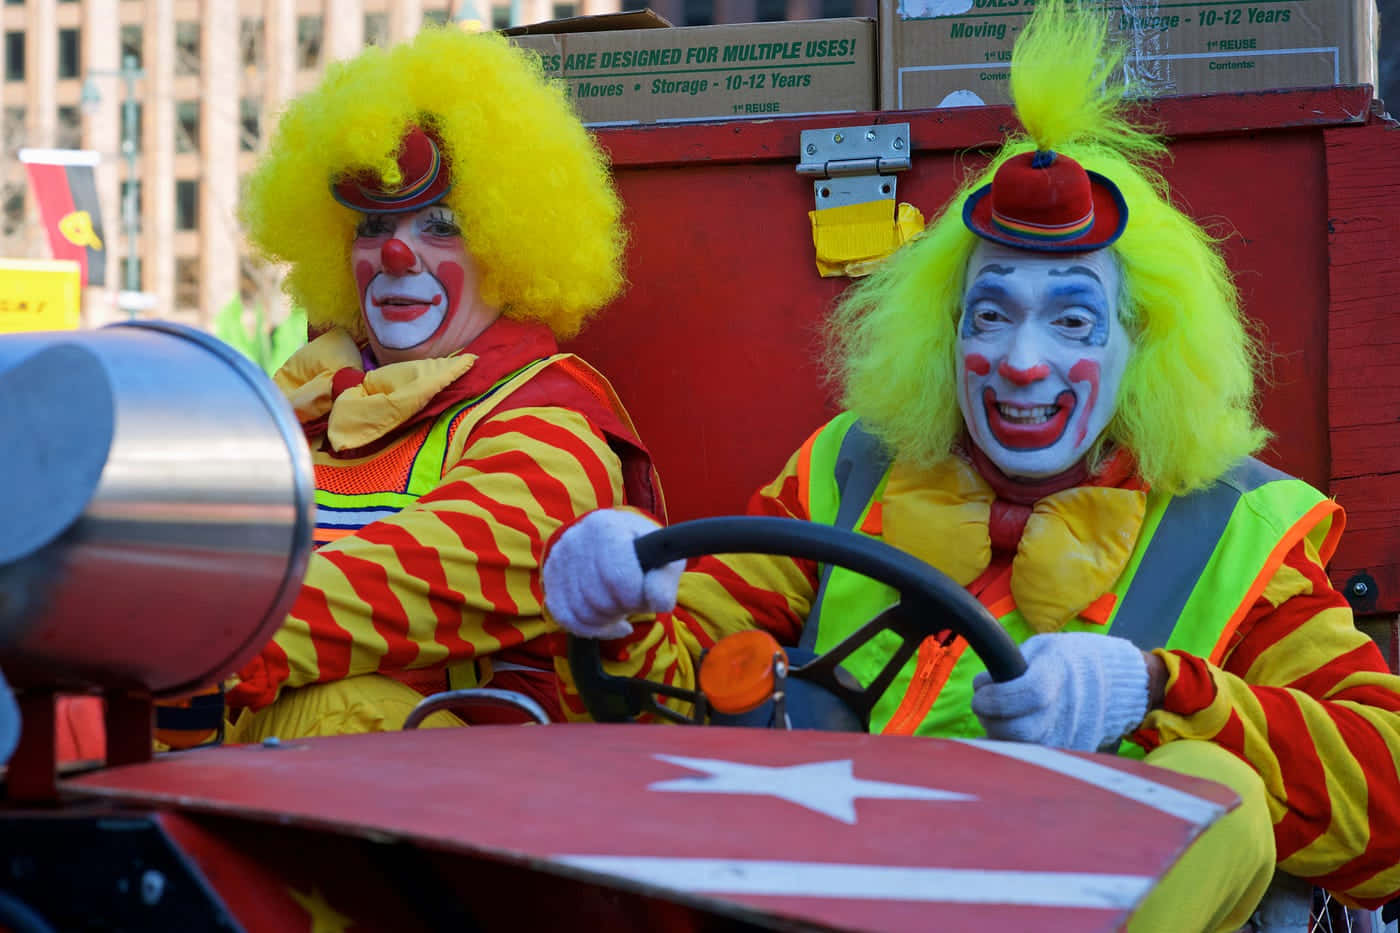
[362,414]
[1075,544]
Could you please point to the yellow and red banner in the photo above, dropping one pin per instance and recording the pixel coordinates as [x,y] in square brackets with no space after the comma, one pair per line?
[66,191]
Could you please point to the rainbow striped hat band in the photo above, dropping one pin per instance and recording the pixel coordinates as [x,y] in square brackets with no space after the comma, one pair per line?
[1047,202]
[426,175]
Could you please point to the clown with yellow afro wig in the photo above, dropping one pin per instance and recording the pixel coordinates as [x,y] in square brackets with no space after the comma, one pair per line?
[444,218]
[1050,399]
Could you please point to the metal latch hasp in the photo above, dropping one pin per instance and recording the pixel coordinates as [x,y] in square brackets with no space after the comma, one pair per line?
[854,164]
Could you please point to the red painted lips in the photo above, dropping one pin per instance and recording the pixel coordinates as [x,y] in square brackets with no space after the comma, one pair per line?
[400,309]
[1041,426]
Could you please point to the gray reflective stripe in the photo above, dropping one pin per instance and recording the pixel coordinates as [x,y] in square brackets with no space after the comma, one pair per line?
[1176,556]
[860,465]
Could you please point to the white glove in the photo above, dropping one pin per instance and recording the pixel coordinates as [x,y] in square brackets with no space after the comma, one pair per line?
[1080,690]
[593,580]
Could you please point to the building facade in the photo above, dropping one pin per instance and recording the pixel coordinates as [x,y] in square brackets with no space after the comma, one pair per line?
[177,96]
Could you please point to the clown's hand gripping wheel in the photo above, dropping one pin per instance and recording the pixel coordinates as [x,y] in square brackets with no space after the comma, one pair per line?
[929,602]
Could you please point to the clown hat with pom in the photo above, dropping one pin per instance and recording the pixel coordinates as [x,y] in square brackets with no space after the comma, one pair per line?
[1047,202]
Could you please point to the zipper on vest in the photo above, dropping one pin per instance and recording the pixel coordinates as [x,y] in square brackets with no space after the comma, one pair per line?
[931,671]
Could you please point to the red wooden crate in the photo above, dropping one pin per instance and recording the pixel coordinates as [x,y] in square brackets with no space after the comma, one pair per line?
[714,346]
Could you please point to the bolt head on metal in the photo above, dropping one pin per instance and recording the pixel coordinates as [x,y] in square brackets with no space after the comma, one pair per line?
[152,887]
[870,136]
[1360,588]
[811,149]
[271,741]
[899,142]
[838,138]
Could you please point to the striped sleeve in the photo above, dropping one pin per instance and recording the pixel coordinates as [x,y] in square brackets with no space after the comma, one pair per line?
[454,576]
[719,594]
[1307,700]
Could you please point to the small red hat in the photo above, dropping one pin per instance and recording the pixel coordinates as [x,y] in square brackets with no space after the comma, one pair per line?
[426,175]
[1047,202]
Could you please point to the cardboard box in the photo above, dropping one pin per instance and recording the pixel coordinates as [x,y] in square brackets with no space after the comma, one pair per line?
[653,75]
[943,53]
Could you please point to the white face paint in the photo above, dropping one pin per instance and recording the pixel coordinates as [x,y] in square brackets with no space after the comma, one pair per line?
[1041,354]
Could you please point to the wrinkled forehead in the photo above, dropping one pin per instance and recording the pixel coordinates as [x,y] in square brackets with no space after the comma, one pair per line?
[1010,266]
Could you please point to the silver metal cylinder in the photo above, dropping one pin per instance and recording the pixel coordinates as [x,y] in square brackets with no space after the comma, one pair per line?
[181,557]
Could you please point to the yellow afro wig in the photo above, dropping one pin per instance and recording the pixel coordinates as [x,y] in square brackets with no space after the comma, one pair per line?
[1186,407]
[531,188]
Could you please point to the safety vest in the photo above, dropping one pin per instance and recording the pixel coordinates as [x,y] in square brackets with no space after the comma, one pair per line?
[1201,561]
[351,496]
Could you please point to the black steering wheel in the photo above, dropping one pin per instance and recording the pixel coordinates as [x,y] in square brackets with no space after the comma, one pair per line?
[929,602]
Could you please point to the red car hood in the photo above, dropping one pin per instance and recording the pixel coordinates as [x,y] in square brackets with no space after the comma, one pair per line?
[840,830]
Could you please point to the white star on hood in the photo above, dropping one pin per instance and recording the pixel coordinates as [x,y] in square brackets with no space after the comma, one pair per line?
[828,787]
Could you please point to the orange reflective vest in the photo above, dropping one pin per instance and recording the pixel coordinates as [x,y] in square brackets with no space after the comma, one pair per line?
[352,495]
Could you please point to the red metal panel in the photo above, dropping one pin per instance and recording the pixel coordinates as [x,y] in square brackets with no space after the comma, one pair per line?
[715,346]
[969,127]
[497,792]
[1363,334]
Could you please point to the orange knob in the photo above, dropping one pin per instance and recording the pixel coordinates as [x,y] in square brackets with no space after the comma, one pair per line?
[737,673]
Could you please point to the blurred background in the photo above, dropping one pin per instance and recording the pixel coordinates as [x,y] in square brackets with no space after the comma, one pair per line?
[175,97]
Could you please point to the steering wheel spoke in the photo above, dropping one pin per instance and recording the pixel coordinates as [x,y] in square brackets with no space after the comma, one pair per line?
[826,671]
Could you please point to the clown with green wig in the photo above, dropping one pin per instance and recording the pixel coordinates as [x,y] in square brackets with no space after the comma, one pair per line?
[1055,388]
[444,218]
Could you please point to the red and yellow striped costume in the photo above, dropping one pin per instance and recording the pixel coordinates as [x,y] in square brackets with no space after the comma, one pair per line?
[1300,694]
[451,580]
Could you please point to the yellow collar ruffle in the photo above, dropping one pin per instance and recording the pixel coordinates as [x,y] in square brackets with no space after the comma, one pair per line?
[363,413]
[1076,542]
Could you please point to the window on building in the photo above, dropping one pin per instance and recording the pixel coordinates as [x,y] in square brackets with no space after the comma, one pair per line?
[16,134]
[835,9]
[187,126]
[187,48]
[250,40]
[12,219]
[186,204]
[376,29]
[500,16]
[435,17]
[133,189]
[186,281]
[310,35]
[565,10]
[69,132]
[131,125]
[699,12]
[770,11]
[14,56]
[69,59]
[132,37]
[250,114]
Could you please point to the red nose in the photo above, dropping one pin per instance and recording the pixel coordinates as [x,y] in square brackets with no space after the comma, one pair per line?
[396,257]
[1023,377]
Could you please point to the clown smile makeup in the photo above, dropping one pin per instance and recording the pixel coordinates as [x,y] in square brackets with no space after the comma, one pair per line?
[1040,356]
[1027,427]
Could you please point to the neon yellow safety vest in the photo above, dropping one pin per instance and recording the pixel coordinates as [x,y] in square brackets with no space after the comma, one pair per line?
[1200,562]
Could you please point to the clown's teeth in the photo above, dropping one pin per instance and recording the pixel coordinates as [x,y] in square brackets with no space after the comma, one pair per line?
[1028,414]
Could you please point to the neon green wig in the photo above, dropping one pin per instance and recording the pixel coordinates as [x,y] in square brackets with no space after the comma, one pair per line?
[1186,407]
[531,189]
